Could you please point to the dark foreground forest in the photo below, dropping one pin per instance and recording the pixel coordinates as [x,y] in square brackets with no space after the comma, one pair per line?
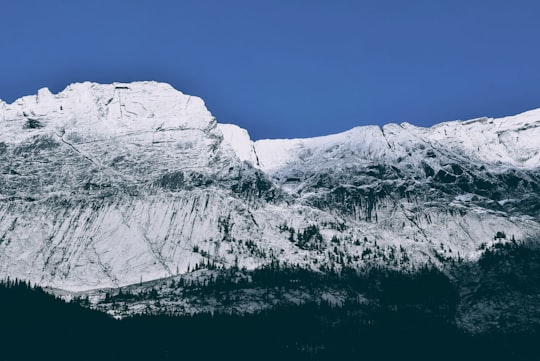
[412,317]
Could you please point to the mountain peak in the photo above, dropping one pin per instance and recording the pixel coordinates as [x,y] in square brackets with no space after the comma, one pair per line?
[105,109]
[107,184]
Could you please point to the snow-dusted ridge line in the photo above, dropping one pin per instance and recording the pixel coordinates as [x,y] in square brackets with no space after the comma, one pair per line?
[102,185]
[512,141]
[110,108]
[491,140]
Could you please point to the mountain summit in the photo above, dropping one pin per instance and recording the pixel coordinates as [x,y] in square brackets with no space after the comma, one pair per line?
[110,185]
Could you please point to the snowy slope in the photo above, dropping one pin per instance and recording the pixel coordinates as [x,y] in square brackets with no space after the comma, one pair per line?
[511,141]
[108,185]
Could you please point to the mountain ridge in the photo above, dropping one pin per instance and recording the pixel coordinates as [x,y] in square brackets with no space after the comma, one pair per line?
[110,185]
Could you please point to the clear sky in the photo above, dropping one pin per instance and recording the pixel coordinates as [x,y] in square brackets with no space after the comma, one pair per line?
[287,68]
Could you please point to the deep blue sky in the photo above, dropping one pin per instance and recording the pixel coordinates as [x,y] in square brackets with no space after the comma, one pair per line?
[288,68]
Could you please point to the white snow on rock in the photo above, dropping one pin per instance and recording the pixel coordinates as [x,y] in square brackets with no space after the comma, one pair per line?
[238,139]
[105,185]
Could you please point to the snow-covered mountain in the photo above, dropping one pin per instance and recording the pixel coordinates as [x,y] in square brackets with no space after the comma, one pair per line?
[110,185]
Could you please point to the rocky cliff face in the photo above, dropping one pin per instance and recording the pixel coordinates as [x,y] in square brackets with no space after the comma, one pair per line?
[108,185]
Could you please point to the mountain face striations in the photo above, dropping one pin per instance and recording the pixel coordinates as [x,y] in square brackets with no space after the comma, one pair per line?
[111,185]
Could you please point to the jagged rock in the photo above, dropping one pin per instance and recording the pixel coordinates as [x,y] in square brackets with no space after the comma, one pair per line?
[108,185]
